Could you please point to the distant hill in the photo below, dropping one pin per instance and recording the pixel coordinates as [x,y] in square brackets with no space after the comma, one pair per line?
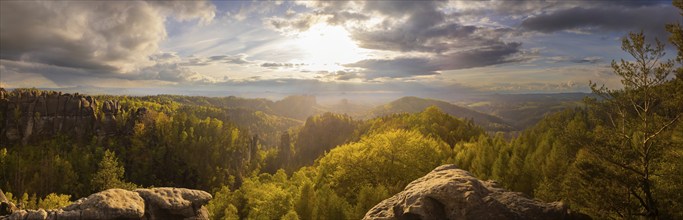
[524,110]
[412,104]
[344,106]
[297,107]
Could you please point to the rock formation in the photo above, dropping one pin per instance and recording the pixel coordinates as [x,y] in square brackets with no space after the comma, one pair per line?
[26,114]
[149,204]
[6,207]
[451,193]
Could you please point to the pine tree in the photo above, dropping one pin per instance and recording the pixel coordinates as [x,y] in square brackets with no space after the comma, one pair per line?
[625,153]
[284,153]
[306,205]
[110,174]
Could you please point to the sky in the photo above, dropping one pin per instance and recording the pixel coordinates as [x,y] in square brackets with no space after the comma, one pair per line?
[439,49]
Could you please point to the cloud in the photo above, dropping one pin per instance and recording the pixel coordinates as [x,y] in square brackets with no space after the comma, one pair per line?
[431,36]
[422,26]
[106,38]
[187,10]
[169,67]
[402,67]
[395,68]
[345,75]
[229,59]
[480,57]
[591,60]
[650,18]
[274,65]
[298,23]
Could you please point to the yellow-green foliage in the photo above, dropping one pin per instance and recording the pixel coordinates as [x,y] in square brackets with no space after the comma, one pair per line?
[391,159]
[432,122]
[53,201]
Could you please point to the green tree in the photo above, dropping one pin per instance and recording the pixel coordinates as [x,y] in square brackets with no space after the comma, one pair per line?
[53,201]
[307,204]
[231,213]
[321,133]
[291,215]
[633,125]
[110,174]
[284,151]
[368,197]
[332,206]
[267,196]
[391,159]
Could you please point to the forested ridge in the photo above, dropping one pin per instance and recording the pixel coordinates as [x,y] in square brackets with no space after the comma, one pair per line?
[619,155]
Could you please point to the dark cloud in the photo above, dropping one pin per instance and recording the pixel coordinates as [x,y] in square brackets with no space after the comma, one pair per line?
[229,59]
[421,26]
[341,75]
[345,75]
[344,16]
[279,65]
[416,66]
[166,67]
[584,60]
[425,27]
[526,8]
[72,34]
[435,39]
[110,38]
[650,18]
[480,57]
[590,60]
[299,23]
[466,37]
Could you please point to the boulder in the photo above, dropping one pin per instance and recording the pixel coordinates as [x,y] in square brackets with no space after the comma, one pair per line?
[174,203]
[109,204]
[39,214]
[6,207]
[147,204]
[451,193]
[18,215]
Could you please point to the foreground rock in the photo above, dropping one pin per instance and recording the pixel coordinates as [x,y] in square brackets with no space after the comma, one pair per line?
[6,207]
[150,204]
[451,193]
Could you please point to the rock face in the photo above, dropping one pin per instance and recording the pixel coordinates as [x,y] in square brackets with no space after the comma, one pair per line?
[451,193]
[6,207]
[26,114]
[108,204]
[149,204]
[173,203]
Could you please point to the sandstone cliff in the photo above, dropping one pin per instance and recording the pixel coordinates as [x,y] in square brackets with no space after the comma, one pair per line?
[27,114]
[151,204]
[451,193]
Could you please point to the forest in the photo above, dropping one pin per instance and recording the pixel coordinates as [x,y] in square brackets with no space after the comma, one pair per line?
[617,155]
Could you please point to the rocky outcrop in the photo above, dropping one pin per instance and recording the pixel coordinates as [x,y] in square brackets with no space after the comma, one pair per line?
[6,207]
[149,204]
[451,193]
[26,114]
[169,203]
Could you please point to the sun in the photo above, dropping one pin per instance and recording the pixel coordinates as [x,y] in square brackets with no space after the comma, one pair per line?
[326,47]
